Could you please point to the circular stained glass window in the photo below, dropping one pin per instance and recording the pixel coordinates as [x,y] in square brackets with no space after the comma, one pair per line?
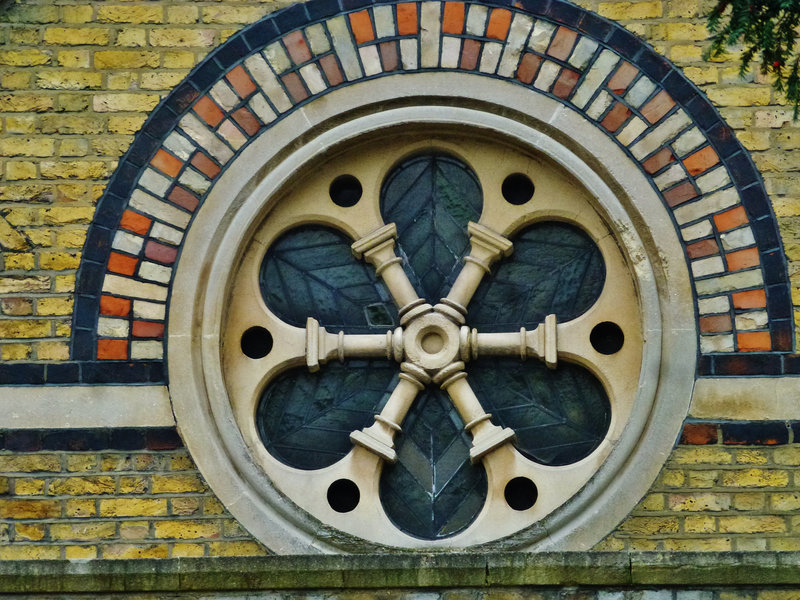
[434,374]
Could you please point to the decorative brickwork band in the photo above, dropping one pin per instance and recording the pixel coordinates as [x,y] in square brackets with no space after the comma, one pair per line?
[716,197]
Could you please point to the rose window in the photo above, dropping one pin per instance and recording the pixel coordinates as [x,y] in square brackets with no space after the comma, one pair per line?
[432,343]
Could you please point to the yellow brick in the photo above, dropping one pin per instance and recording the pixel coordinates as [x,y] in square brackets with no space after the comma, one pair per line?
[652,502]
[742,95]
[780,594]
[135,38]
[699,524]
[701,75]
[181,462]
[74,59]
[80,124]
[25,58]
[182,37]
[672,478]
[141,13]
[686,53]
[70,238]
[16,170]
[16,306]
[15,351]
[73,147]
[84,531]
[5,486]
[755,478]
[80,508]
[185,506]
[238,548]
[76,14]
[76,36]
[33,14]
[650,525]
[71,102]
[16,80]
[178,59]
[80,552]
[58,261]
[73,192]
[699,502]
[755,140]
[701,455]
[232,529]
[80,486]
[134,530]
[177,484]
[76,169]
[32,532]
[183,530]
[125,102]
[124,59]
[749,501]
[643,545]
[68,80]
[15,284]
[24,36]
[25,103]
[120,551]
[33,146]
[24,329]
[126,124]
[734,595]
[54,306]
[162,80]
[752,524]
[20,124]
[81,462]
[751,457]
[610,544]
[785,501]
[212,506]
[20,552]
[133,485]
[63,329]
[65,283]
[227,15]
[784,544]
[133,507]
[121,81]
[22,261]
[29,487]
[787,455]
[630,10]
[187,550]
[698,545]
[702,479]
[29,509]
[178,15]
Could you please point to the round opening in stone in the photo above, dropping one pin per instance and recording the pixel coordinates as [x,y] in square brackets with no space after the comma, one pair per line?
[432,342]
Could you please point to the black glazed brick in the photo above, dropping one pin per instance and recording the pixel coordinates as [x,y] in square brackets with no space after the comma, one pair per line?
[75,440]
[205,75]
[724,141]
[23,440]
[779,301]
[742,170]
[766,234]
[755,434]
[749,363]
[66,372]
[295,15]
[2,441]
[263,32]
[679,88]
[157,372]
[233,51]
[161,122]
[774,267]
[85,312]
[702,113]
[791,366]
[535,7]
[127,439]
[107,213]
[705,365]
[163,438]
[122,182]
[595,26]
[565,13]
[142,150]
[625,43]
[98,244]
[795,425]
[756,202]
[182,97]
[20,374]
[108,371]
[83,345]
[782,336]
[653,64]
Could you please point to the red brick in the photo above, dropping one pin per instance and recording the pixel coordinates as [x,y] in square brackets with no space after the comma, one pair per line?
[470,52]
[743,259]
[658,161]
[681,193]
[331,69]
[702,248]
[112,349]
[716,324]
[618,114]
[247,121]
[562,43]
[453,20]
[730,219]
[565,83]
[389,58]
[208,110]
[622,78]
[205,165]
[119,263]
[112,306]
[148,329]
[528,67]
[754,341]
[184,198]
[160,252]
[407,18]
[699,434]
[135,222]
[658,107]
[295,87]
[700,161]
[749,299]
[499,22]
[361,25]
[297,47]
[241,82]
[167,163]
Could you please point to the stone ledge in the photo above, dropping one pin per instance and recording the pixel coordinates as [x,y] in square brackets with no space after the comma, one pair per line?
[408,571]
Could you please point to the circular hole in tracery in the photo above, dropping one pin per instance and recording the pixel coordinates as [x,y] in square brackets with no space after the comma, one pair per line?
[607,337]
[432,342]
[517,188]
[256,342]
[345,190]
[521,493]
[343,495]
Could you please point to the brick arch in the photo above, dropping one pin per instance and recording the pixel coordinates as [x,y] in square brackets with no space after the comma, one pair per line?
[715,195]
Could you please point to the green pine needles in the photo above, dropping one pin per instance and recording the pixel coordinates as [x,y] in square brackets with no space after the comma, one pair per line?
[767,29]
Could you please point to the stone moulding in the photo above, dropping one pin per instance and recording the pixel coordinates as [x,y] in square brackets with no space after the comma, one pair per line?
[619,85]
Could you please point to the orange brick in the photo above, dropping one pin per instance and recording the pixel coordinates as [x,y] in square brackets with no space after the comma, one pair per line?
[742,259]
[749,299]
[562,43]
[499,22]
[112,349]
[453,20]
[730,219]
[362,27]
[135,222]
[657,107]
[208,110]
[407,18]
[119,307]
[622,78]
[754,341]
[700,161]
[166,163]
[715,324]
[241,82]
[119,263]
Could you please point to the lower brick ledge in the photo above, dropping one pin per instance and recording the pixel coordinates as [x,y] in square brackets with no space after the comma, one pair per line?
[405,570]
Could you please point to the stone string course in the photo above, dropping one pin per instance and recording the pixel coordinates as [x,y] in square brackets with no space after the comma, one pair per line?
[80,78]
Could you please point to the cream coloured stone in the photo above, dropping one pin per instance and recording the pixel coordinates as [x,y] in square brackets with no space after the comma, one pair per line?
[430,30]
[313,78]
[277,58]
[112,328]
[672,175]
[384,20]
[343,44]
[147,349]
[127,242]
[632,130]
[194,180]
[727,283]
[490,57]
[318,40]
[154,182]
[640,91]
[265,78]
[688,141]
[123,286]
[259,105]
[716,343]
[540,38]
[231,134]
[713,180]
[224,95]
[476,19]
[583,52]
[205,138]
[409,54]
[517,36]
[706,206]
[451,52]
[713,305]
[166,233]
[154,207]
[547,75]
[698,230]
[149,310]
[600,104]
[369,59]
[179,145]
[707,266]
[663,133]
[598,72]
[154,272]
[756,319]
[737,238]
